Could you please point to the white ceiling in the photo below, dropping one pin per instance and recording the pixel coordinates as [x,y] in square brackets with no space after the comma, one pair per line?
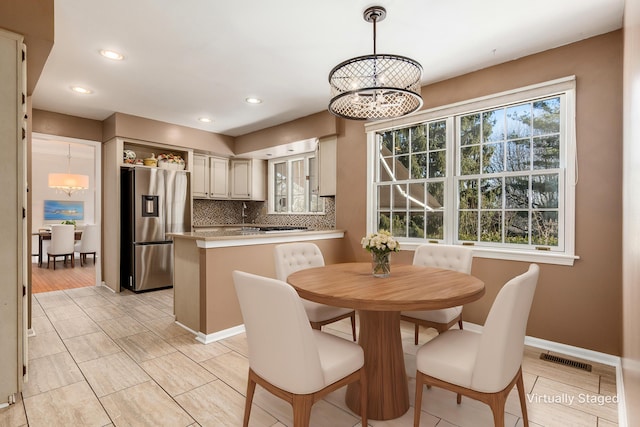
[193,58]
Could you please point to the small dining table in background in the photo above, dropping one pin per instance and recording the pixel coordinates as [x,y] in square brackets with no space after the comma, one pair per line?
[46,235]
[379,302]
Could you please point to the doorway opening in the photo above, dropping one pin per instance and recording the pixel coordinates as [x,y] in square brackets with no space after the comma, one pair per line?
[51,206]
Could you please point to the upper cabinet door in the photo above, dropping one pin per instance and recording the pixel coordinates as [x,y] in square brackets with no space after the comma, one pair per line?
[218,178]
[327,158]
[200,176]
[240,179]
[248,179]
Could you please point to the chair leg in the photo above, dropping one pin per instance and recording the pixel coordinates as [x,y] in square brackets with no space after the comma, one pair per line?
[497,407]
[251,388]
[353,323]
[523,400]
[418,403]
[460,323]
[302,404]
[416,332]
[73,260]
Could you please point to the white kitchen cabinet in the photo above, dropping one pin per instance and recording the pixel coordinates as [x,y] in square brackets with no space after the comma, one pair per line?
[327,157]
[248,180]
[210,179]
[200,176]
[218,178]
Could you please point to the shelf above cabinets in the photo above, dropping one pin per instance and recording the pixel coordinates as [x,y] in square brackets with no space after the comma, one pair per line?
[137,152]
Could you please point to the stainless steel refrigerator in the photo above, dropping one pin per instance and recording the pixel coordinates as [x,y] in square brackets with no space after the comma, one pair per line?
[154,202]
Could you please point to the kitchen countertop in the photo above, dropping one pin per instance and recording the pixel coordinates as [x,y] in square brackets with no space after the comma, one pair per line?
[233,235]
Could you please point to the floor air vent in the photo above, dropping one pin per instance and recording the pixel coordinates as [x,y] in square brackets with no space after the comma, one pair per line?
[566,362]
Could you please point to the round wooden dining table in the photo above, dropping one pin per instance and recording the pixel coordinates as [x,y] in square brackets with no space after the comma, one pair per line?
[379,302]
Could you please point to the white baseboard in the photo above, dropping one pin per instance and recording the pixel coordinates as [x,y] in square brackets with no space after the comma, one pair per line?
[220,335]
[568,350]
[582,353]
[217,336]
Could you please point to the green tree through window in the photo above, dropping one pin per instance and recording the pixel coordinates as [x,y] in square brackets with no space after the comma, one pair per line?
[506,182]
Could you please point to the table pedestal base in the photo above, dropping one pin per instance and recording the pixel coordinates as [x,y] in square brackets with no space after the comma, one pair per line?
[388,390]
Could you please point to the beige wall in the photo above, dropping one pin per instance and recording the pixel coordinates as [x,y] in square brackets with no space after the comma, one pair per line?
[313,126]
[577,305]
[631,214]
[58,124]
[127,126]
[34,20]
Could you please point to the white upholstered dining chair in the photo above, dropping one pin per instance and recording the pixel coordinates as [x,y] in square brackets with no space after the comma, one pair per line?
[88,244]
[484,366]
[286,356]
[62,240]
[457,258]
[292,257]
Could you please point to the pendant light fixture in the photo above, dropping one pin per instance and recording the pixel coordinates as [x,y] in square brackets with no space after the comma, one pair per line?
[374,87]
[68,183]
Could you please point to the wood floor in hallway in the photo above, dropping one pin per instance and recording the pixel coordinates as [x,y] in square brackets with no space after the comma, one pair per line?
[45,279]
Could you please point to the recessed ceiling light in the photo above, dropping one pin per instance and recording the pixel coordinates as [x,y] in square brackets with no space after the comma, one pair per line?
[112,55]
[204,119]
[254,100]
[82,90]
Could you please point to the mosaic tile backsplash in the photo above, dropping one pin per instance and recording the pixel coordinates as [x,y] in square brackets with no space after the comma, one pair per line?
[208,212]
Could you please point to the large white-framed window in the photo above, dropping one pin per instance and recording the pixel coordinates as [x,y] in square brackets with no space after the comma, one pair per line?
[293,183]
[496,173]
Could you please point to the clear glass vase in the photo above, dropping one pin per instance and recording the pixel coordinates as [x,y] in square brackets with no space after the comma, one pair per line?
[380,264]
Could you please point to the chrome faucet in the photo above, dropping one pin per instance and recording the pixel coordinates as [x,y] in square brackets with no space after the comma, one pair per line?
[244,215]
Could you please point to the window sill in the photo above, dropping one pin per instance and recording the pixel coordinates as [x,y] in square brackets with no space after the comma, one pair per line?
[511,255]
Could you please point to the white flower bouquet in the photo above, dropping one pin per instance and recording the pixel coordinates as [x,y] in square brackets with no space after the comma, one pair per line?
[380,243]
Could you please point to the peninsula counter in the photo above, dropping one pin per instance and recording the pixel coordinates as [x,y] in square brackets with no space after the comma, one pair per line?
[204,296]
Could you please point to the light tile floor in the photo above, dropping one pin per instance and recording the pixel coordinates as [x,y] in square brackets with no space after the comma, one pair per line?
[105,359]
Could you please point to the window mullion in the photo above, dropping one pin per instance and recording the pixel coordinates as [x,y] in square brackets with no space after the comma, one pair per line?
[451,182]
